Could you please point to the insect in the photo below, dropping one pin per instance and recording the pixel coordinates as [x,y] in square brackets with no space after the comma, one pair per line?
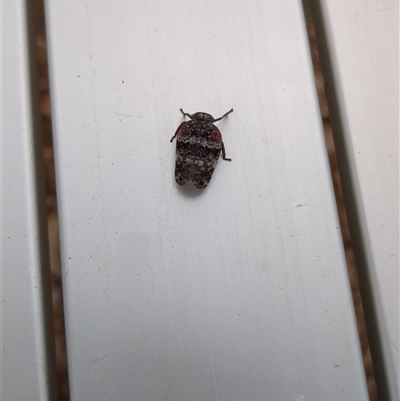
[198,145]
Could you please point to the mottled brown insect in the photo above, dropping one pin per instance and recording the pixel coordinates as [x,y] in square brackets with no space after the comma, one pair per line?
[198,145]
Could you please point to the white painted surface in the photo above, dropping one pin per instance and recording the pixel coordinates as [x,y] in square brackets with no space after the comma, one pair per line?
[238,292]
[27,365]
[363,45]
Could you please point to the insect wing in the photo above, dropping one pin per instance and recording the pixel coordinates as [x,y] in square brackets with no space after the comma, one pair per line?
[203,154]
[181,173]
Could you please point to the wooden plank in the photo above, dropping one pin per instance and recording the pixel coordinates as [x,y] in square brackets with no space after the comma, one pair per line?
[239,291]
[359,45]
[28,366]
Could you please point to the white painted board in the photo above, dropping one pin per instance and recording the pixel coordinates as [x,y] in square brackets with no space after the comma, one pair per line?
[237,292]
[363,48]
[27,342]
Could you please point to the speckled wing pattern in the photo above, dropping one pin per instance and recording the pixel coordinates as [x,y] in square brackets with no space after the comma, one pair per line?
[199,144]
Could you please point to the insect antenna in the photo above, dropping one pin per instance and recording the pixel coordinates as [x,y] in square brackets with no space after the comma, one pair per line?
[217,119]
[186,114]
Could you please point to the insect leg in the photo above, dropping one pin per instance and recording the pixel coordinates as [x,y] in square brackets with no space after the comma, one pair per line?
[223,153]
[185,114]
[217,119]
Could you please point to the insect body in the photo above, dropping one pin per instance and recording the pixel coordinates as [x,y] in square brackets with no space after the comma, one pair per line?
[198,145]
